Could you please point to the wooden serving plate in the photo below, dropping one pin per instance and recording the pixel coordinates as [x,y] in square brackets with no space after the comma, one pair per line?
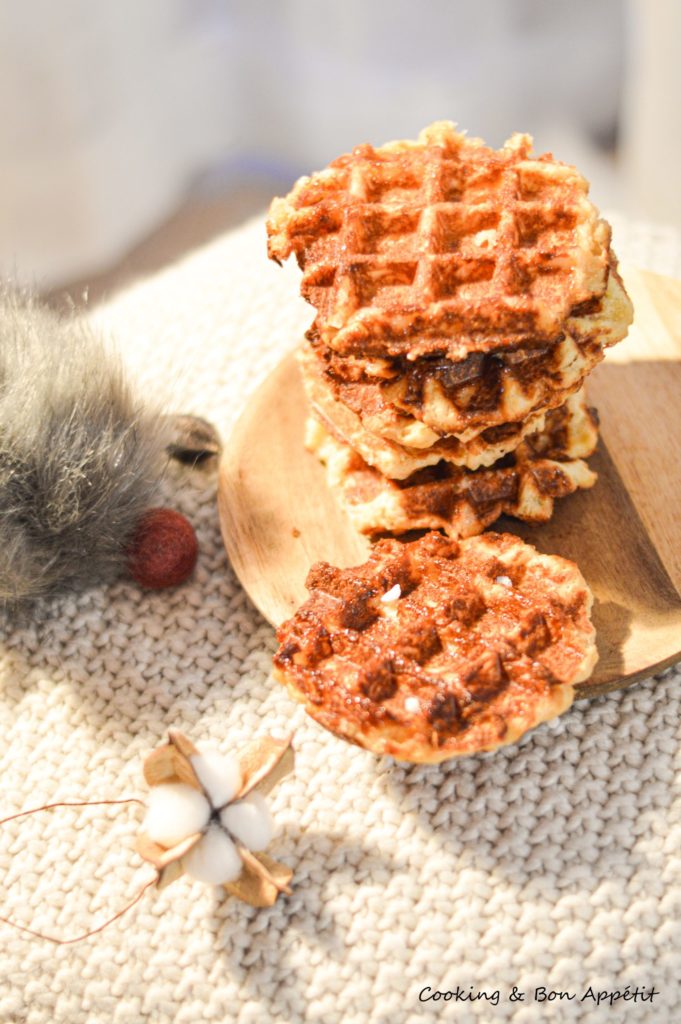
[278,517]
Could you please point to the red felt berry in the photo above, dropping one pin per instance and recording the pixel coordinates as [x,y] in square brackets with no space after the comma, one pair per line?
[163,550]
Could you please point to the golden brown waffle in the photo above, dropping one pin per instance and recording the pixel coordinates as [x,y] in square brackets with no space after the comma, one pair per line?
[436,649]
[427,448]
[546,466]
[484,390]
[432,397]
[442,246]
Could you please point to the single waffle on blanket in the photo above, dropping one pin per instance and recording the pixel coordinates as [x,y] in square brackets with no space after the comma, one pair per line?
[546,466]
[442,246]
[424,446]
[438,648]
[484,390]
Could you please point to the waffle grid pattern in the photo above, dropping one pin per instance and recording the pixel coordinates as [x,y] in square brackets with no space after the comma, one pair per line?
[448,233]
[435,648]
[544,467]
[482,389]
[466,406]
[554,862]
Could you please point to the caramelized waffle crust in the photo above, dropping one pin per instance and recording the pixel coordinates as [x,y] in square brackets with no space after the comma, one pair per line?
[525,484]
[436,649]
[426,448]
[442,246]
[485,389]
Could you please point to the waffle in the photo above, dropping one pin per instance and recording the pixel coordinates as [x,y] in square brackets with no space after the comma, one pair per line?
[485,389]
[436,649]
[546,466]
[442,246]
[432,398]
[427,448]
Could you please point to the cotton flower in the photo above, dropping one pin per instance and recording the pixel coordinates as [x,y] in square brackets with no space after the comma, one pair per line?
[220,776]
[214,859]
[207,816]
[175,811]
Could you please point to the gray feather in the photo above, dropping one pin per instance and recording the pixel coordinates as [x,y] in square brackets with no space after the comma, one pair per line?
[80,457]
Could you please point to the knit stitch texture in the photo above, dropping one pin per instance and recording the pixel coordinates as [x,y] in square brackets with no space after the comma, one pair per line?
[556,862]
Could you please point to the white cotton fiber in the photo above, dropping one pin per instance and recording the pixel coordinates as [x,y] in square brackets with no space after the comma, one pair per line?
[175,811]
[249,821]
[220,776]
[214,859]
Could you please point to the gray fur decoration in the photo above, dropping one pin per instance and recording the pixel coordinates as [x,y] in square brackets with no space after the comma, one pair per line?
[80,457]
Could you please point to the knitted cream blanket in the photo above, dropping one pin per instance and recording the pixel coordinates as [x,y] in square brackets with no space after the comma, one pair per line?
[551,866]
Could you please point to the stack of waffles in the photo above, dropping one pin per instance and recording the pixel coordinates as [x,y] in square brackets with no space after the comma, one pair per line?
[463,295]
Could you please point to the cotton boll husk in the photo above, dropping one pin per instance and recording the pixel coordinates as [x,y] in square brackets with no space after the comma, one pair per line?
[220,776]
[214,859]
[250,821]
[175,812]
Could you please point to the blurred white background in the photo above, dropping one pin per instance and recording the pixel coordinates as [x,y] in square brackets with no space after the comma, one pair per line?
[112,115]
